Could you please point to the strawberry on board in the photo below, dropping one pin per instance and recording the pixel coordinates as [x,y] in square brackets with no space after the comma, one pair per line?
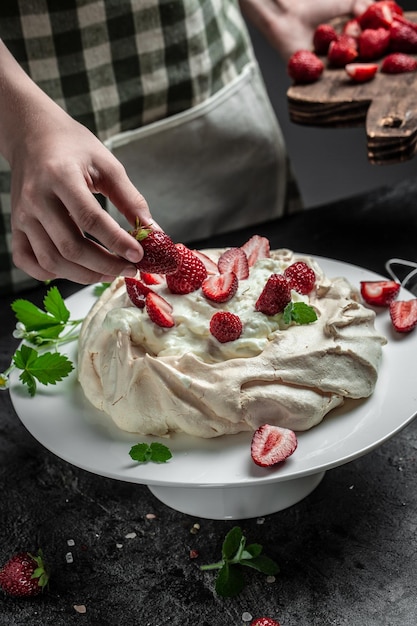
[352,28]
[275,295]
[379,292]
[403,36]
[24,575]
[220,287]
[342,51]
[404,315]
[159,310]
[301,277]
[256,248]
[160,255]
[373,43]
[305,67]
[272,444]
[264,621]
[137,291]
[234,260]
[379,15]
[190,273]
[361,72]
[226,326]
[322,38]
[397,63]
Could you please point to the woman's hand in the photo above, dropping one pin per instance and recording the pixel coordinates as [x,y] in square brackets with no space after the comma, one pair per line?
[289,25]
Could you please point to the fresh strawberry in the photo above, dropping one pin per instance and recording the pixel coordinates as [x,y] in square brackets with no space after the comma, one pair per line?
[190,273]
[152,279]
[24,575]
[403,315]
[159,310]
[263,621]
[272,444]
[352,28]
[342,51]
[209,264]
[275,295]
[361,72]
[403,36]
[137,291]
[379,292]
[305,67]
[397,63]
[373,44]
[234,260]
[323,36]
[301,277]
[160,254]
[225,326]
[379,15]
[220,287]
[256,248]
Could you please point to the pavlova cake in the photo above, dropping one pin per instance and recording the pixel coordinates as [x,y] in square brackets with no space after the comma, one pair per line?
[224,341]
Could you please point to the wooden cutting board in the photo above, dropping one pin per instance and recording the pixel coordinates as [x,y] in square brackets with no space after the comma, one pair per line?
[386,106]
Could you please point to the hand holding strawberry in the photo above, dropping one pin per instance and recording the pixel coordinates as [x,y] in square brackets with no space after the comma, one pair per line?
[160,255]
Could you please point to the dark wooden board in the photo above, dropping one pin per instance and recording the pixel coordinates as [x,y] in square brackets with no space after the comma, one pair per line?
[386,106]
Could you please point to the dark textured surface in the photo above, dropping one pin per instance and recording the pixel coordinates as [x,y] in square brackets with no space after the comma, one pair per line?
[346,552]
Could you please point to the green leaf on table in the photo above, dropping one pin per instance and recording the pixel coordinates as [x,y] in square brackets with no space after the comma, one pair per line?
[155,452]
[230,581]
[232,543]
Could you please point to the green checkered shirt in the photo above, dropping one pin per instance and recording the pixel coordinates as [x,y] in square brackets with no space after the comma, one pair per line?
[115,65]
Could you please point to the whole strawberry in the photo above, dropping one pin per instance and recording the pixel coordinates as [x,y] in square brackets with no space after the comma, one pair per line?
[305,67]
[322,38]
[160,255]
[275,295]
[24,575]
[190,272]
[263,621]
[226,326]
[301,277]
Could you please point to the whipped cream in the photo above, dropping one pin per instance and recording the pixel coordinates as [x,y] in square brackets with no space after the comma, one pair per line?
[153,380]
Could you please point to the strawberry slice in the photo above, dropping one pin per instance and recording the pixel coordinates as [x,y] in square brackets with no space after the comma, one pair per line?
[404,315]
[275,295]
[352,28]
[379,15]
[152,278]
[221,287]
[234,260]
[159,310]
[226,326]
[361,72]
[379,292]
[272,444]
[137,291]
[256,248]
[208,263]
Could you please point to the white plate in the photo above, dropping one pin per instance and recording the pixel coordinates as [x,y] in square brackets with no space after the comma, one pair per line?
[206,477]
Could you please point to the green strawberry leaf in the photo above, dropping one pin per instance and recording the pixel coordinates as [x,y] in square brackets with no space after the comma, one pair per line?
[55,305]
[155,452]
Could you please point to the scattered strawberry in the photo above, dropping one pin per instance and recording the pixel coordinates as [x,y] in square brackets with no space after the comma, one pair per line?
[208,263]
[225,326]
[403,36]
[342,51]
[160,254]
[221,287]
[379,15]
[152,279]
[301,277]
[373,44]
[263,621]
[272,444]
[379,292]
[305,67]
[159,310]
[137,291]
[234,260]
[403,315]
[275,295]
[190,273]
[24,575]
[256,248]
[352,28]
[397,63]
[361,72]
[323,36]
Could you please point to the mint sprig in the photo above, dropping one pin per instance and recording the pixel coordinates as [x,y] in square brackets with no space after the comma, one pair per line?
[155,452]
[300,313]
[230,580]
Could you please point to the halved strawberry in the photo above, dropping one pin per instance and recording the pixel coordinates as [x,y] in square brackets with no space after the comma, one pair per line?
[275,295]
[379,292]
[160,254]
[208,263]
[322,37]
[305,67]
[404,315]
[151,278]
[361,72]
[234,260]
[397,63]
[256,248]
[379,15]
[221,287]
[301,277]
[373,43]
[137,291]
[159,310]
[342,51]
[226,326]
[190,273]
[272,444]
[352,28]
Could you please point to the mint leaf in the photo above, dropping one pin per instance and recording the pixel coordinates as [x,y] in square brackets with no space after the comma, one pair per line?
[262,564]
[155,452]
[229,581]
[232,543]
[55,305]
[299,312]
